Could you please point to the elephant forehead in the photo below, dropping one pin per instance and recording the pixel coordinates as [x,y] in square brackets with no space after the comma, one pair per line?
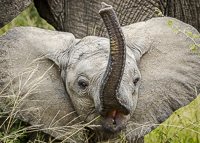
[88,47]
[90,65]
[91,55]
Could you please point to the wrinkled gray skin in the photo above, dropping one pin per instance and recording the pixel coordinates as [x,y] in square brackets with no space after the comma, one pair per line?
[169,72]
[80,17]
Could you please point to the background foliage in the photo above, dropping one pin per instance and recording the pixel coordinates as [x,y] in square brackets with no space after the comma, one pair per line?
[182,127]
[29,17]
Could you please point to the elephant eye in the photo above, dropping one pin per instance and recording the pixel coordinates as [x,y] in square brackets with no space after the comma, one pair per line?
[82,84]
[136,81]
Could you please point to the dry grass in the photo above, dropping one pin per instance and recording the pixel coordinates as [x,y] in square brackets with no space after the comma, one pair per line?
[11,107]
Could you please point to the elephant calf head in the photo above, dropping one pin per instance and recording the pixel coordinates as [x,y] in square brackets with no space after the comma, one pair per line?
[100,82]
[85,75]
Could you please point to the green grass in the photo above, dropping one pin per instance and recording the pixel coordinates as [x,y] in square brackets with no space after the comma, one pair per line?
[182,127]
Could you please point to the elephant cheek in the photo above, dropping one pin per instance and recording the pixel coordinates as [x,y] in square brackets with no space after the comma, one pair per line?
[114,121]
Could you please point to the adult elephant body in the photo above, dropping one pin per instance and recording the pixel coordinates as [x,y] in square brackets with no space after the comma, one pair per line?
[80,17]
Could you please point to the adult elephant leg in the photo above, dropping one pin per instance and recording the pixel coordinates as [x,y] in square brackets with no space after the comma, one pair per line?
[9,9]
[187,11]
[81,17]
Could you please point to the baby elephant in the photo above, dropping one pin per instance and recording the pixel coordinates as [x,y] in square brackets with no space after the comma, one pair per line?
[68,87]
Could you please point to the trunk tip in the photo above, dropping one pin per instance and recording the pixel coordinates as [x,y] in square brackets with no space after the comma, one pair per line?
[105,7]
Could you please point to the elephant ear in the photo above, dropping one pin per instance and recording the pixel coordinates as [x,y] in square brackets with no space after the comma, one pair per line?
[9,9]
[31,87]
[170,71]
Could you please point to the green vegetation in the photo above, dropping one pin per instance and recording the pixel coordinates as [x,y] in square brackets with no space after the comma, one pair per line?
[29,17]
[193,46]
[182,127]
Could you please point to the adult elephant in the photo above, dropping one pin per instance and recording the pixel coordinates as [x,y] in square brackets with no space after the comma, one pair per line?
[80,17]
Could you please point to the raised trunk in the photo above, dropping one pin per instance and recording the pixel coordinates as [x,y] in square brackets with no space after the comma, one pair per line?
[109,91]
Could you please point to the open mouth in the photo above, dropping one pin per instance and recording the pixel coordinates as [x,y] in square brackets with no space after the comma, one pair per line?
[114,121]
